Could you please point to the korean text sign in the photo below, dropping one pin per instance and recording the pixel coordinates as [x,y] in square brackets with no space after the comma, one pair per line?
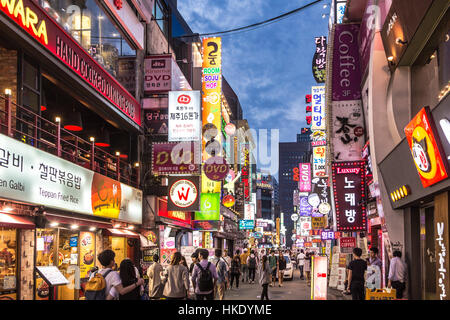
[320,59]
[319,162]
[349,195]
[318,108]
[304,183]
[30,175]
[175,158]
[426,148]
[184,115]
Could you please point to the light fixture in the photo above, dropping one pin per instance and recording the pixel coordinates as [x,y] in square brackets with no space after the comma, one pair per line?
[103,138]
[118,153]
[8,92]
[117,225]
[54,224]
[323,16]
[75,123]
[92,228]
[74,226]
[91,139]
[57,119]
[131,227]
[7,208]
[43,102]
[433,56]
[136,164]
[390,58]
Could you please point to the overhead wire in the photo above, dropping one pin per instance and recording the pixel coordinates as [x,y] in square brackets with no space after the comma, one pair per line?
[253,26]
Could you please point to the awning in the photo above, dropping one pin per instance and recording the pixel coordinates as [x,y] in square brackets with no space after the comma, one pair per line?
[77,221]
[122,233]
[13,221]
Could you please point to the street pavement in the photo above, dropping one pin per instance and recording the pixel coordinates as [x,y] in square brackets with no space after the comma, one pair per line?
[291,290]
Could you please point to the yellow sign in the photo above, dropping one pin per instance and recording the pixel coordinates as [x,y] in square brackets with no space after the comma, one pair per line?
[210,186]
[278,231]
[318,223]
[87,252]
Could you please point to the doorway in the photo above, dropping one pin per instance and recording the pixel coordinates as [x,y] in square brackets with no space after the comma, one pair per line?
[427,252]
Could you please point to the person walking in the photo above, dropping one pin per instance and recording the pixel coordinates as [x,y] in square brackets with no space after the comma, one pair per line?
[204,277]
[356,269]
[154,279]
[273,267]
[235,271]
[251,263]
[397,274]
[129,275]
[221,268]
[308,268]
[176,282]
[281,268]
[301,263]
[264,277]
[228,259]
[194,258]
[244,266]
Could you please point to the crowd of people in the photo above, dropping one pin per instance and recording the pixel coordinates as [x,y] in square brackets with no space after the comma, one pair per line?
[209,278]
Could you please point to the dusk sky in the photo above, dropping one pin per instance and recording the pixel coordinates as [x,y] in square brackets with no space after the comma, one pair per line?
[269,68]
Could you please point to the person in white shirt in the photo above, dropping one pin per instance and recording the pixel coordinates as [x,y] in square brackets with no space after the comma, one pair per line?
[397,274]
[301,262]
[112,279]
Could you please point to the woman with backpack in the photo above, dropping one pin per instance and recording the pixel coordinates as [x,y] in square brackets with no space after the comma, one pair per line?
[235,271]
[129,275]
[251,263]
[281,268]
[265,274]
[176,284]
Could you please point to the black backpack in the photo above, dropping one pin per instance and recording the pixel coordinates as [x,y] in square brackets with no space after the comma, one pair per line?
[252,263]
[205,281]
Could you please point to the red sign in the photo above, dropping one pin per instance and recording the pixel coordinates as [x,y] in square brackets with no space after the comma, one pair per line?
[35,21]
[184,99]
[245,170]
[296,176]
[347,244]
[349,195]
[206,225]
[175,158]
[426,148]
[181,216]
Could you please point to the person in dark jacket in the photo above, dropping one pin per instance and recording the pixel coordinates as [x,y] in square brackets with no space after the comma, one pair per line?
[281,268]
[251,263]
[235,271]
[129,275]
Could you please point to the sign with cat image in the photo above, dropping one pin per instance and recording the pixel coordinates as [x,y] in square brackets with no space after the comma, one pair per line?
[426,148]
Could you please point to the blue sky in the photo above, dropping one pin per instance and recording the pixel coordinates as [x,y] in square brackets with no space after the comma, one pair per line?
[269,68]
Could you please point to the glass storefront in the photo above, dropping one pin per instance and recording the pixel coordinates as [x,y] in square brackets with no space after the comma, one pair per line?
[88,24]
[8,264]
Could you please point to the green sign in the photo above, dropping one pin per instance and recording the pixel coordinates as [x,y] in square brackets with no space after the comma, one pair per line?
[209,206]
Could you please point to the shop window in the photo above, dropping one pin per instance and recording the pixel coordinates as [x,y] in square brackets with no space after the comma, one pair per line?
[88,24]
[8,263]
[160,14]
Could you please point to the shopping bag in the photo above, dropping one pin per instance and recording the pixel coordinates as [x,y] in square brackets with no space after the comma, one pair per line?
[380,294]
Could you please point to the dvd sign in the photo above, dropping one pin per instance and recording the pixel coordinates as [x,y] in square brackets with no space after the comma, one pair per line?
[183,194]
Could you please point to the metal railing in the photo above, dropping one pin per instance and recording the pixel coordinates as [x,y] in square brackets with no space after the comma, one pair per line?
[24,125]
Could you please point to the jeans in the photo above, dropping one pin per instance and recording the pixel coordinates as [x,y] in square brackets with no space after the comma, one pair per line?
[399,287]
[265,292]
[251,274]
[357,290]
[233,277]
[301,272]
[244,271]
[209,296]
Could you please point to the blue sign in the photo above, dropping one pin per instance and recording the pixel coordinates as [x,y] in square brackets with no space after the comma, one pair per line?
[257,235]
[246,224]
[304,209]
[73,241]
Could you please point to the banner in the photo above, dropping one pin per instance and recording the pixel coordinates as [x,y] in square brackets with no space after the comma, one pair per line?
[304,184]
[319,162]
[346,82]
[249,211]
[349,195]
[175,158]
[347,133]
[318,108]
[34,176]
[319,279]
[319,63]
[184,115]
[184,193]
[246,171]
[209,207]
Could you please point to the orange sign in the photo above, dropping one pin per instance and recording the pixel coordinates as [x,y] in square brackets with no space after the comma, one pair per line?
[426,148]
[106,197]
[87,252]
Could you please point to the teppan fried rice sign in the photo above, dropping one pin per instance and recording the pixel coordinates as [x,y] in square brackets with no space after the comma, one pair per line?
[33,176]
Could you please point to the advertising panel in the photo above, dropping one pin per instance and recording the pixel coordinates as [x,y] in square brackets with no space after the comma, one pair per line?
[48,33]
[321,202]
[87,253]
[305,226]
[426,148]
[184,115]
[349,195]
[346,82]
[246,224]
[347,244]
[158,74]
[175,158]
[318,108]
[184,193]
[319,281]
[305,208]
[34,176]
[209,207]
[249,211]
[246,170]
[319,64]
[318,223]
[156,115]
[319,162]
[347,132]
[207,225]
[304,184]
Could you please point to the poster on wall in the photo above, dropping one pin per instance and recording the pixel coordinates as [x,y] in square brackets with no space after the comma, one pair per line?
[184,193]
[318,108]
[40,178]
[349,195]
[175,158]
[166,255]
[347,132]
[87,252]
[184,116]
[426,148]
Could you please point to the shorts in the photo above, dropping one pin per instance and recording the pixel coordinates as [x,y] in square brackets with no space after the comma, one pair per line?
[274,272]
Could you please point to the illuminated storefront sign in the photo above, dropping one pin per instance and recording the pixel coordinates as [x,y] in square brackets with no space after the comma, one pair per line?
[33,19]
[249,211]
[305,226]
[304,184]
[426,148]
[175,158]
[246,224]
[183,193]
[305,208]
[33,176]
[209,207]
[319,279]
[184,116]
[319,162]
[246,170]
[320,59]
[318,108]
[349,195]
